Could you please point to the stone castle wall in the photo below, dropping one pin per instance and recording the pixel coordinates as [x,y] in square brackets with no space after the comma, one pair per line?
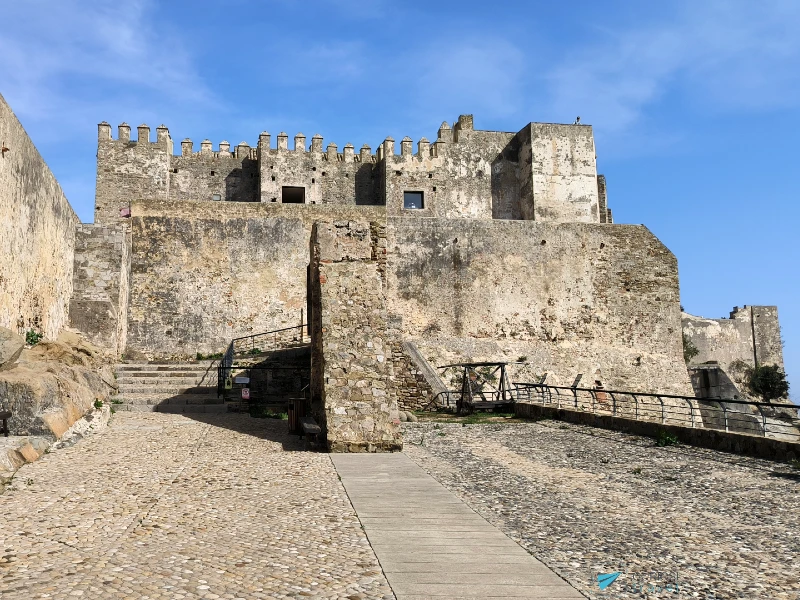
[751,334]
[99,304]
[203,273]
[128,170]
[351,367]
[570,298]
[544,172]
[37,236]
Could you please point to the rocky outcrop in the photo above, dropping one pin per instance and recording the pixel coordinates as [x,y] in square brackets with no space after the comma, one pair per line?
[11,346]
[54,384]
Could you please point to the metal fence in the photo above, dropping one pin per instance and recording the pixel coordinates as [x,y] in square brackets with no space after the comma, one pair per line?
[779,421]
[251,345]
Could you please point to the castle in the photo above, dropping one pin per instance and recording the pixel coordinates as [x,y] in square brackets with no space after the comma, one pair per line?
[481,245]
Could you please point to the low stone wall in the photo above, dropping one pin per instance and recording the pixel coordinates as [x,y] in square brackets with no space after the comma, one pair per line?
[737,443]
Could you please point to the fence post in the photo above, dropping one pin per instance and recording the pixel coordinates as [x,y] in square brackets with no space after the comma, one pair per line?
[593,394]
[724,414]
[663,417]
[636,409]
[691,410]
[763,419]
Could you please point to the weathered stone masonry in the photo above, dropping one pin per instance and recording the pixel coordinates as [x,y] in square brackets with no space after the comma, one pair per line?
[351,345]
[37,236]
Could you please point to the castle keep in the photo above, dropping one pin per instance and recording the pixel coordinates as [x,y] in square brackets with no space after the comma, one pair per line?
[479,245]
[544,172]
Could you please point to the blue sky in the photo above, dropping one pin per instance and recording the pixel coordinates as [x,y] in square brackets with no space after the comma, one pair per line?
[695,105]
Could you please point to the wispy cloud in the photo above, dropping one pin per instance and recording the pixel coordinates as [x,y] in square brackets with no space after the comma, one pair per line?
[721,56]
[57,53]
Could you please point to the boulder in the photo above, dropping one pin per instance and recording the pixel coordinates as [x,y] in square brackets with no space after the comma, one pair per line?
[412,418]
[53,385]
[403,417]
[11,346]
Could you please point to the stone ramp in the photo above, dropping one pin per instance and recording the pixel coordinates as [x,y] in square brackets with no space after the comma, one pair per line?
[431,544]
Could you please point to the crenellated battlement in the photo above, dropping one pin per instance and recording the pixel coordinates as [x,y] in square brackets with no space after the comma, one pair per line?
[542,172]
[241,151]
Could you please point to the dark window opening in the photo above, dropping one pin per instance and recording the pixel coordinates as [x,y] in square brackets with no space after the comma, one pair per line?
[213,172]
[313,180]
[430,175]
[413,200]
[313,168]
[293,195]
[434,188]
[324,173]
[174,170]
[347,174]
[398,173]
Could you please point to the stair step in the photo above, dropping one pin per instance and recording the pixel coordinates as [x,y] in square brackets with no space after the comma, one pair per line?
[165,368]
[173,408]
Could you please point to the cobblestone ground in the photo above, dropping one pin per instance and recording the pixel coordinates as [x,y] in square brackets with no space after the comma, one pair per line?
[165,506]
[588,501]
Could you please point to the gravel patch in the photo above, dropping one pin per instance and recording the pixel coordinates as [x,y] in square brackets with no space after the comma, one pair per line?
[586,501]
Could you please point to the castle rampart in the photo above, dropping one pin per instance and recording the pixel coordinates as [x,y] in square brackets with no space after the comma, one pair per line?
[544,172]
[37,236]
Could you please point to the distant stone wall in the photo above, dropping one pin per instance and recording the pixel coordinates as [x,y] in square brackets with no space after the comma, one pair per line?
[568,299]
[351,369]
[99,303]
[37,236]
[751,335]
[203,273]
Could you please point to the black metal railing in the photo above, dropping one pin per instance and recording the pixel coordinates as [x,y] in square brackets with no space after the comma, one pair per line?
[778,421]
[258,343]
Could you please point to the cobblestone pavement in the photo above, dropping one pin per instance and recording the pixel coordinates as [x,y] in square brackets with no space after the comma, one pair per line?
[167,506]
[587,501]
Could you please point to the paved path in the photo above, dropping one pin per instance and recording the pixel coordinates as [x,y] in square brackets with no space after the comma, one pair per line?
[432,545]
[170,507]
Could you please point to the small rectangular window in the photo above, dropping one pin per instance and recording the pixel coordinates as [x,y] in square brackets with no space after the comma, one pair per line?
[216,197]
[412,200]
[293,195]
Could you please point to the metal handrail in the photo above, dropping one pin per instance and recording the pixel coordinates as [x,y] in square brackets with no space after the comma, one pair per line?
[226,364]
[781,421]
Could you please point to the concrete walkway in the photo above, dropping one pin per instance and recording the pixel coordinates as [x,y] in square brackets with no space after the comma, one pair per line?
[432,545]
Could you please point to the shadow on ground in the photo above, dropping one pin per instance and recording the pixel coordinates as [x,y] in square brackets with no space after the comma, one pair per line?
[274,430]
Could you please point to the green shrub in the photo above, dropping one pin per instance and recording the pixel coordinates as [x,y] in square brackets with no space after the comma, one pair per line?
[98,404]
[689,349]
[665,438]
[767,382]
[33,337]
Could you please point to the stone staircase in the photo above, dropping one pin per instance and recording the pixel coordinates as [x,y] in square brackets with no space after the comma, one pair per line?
[168,387]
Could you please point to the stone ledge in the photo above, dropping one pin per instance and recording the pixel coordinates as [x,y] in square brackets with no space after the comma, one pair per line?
[737,443]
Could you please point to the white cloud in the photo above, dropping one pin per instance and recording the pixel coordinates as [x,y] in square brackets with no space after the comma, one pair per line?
[57,52]
[477,74]
[724,56]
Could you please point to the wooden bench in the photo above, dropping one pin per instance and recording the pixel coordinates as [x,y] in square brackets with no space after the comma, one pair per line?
[311,431]
[4,417]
